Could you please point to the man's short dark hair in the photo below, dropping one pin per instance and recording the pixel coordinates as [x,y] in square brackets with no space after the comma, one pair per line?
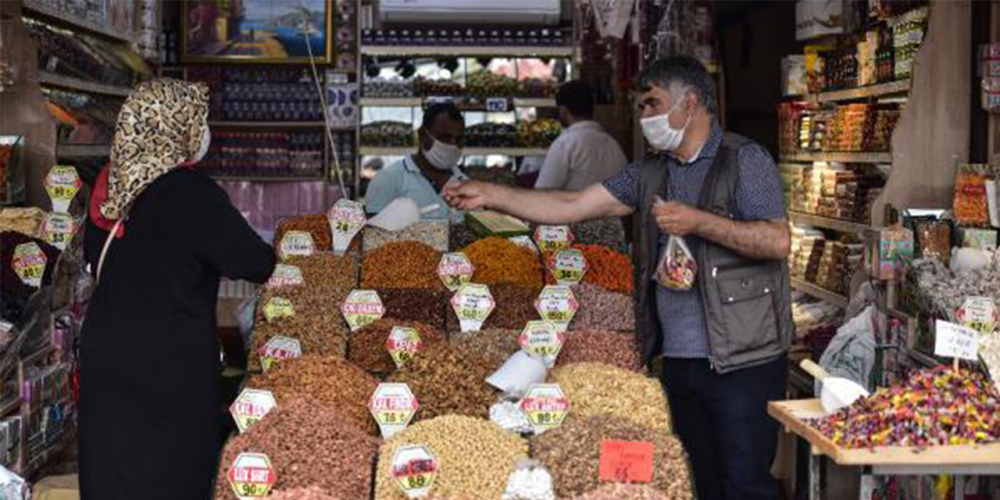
[577,97]
[438,108]
[683,73]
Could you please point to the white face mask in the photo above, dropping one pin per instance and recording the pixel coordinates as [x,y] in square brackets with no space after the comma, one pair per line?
[206,140]
[443,156]
[660,134]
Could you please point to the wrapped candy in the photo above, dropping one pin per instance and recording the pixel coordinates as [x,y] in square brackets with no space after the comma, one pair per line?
[677,268]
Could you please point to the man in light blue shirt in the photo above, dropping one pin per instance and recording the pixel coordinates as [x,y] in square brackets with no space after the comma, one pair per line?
[422,175]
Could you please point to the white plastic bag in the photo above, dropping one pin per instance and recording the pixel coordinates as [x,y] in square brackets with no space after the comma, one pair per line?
[677,268]
[12,487]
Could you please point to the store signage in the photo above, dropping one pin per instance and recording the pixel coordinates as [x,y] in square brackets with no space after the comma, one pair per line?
[393,406]
[29,263]
[978,313]
[285,275]
[545,405]
[955,341]
[414,468]
[497,104]
[62,183]
[346,220]
[558,305]
[403,344]
[553,238]
[524,242]
[277,308]
[361,308]
[251,406]
[626,462]
[568,266]
[251,476]
[473,304]
[542,340]
[296,244]
[58,229]
[455,270]
[277,349]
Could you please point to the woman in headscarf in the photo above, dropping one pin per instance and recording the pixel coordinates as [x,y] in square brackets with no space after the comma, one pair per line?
[160,237]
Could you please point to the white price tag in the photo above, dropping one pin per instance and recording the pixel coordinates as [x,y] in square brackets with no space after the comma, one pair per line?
[58,229]
[29,263]
[978,313]
[557,304]
[473,304]
[414,468]
[362,307]
[403,344]
[251,406]
[62,183]
[542,340]
[285,275]
[497,104]
[277,349]
[545,405]
[251,476]
[568,266]
[393,406]
[955,341]
[553,238]
[346,220]
[296,244]
[455,270]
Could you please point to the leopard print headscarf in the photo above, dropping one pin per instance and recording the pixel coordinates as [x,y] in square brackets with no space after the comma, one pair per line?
[160,126]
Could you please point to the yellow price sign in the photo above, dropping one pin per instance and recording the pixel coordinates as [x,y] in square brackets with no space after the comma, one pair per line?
[393,406]
[414,468]
[29,263]
[251,476]
[361,308]
[568,266]
[545,405]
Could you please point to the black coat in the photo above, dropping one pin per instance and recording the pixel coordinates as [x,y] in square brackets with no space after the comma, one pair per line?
[150,371]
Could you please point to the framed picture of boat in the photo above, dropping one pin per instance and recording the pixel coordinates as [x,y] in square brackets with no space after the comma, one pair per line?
[257,31]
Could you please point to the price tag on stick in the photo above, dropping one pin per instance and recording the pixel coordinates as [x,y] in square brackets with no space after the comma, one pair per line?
[277,308]
[978,313]
[955,341]
[542,340]
[403,344]
[545,405]
[251,476]
[553,238]
[558,305]
[626,461]
[285,275]
[455,270]
[62,183]
[296,244]
[361,308]
[29,263]
[393,406]
[473,304]
[251,406]
[346,220]
[277,349]
[568,266]
[414,468]
[58,229]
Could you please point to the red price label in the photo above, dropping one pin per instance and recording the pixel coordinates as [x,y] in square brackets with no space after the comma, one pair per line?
[626,461]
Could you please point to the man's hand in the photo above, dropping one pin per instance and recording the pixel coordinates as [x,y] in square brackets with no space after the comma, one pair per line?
[677,219]
[468,195]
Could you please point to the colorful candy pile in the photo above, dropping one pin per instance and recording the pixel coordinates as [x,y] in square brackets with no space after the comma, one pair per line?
[936,407]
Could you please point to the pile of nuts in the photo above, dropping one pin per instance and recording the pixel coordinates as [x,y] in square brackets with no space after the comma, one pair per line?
[367,347]
[493,345]
[321,334]
[475,457]
[311,493]
[309,444]
[433,233]
[317,225]
[447,382]
[497,260]
[606,268]
[572,453]
[603,310]
[624,491]
[608,232]
[328,379]
[600,346]
[324,272]
[401,264]
[596,388]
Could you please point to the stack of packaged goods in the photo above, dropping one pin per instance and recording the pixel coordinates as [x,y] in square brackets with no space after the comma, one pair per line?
[816,322]
[908,33]
[806,252]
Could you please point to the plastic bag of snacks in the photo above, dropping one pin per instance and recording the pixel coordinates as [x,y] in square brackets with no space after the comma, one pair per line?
[677,268]
[971,206]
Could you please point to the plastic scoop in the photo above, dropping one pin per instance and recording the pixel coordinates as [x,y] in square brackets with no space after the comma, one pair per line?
[400,214]
[837,392]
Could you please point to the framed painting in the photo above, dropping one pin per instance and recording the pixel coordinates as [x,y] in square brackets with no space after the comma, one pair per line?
[257,31]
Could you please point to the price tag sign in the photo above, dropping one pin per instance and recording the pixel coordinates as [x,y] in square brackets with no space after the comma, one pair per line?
[553,238]
[978,313]
[626,461]
[568,266]
[58,229]
[545,405]
[251,476]
[277,349]
[542,340]
[361,308]
[29,263]
[277,308]
[403,343]
[296,244]
[455,270]
[393,406]
[414,468]
[955,341]
[497,104]
[473,304]
[285,275]
[558,305]
[346,220]
[250,407]
[524,242]
[62,183]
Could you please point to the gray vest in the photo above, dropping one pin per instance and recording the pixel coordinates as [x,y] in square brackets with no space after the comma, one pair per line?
[747,302]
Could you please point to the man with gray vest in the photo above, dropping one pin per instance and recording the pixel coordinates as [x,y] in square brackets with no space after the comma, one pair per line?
[723,342]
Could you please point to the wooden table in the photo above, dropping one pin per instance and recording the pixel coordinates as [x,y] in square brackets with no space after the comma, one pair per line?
[884,460]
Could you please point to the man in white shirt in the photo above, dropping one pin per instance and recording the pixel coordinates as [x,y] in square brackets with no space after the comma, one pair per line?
[583,154]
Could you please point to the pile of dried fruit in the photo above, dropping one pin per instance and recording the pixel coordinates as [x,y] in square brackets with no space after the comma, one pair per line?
[600,346]
[326,378]
[596,389]
[432,233]
[572,453]
[475,458]
[603,310]
[367,347]
[308,301]
[309,444]
[311,493]
[515,307]
[497,260]
[624,491]
[460,236]
[324,272]
[606,268]
[429,307]
[321,334]
[447,382]
[493,345]
[402,264]
[316,225]
[606,232]
[936,407]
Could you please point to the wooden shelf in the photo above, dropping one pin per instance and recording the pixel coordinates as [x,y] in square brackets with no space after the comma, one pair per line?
[235,124]
[880,90]
[827,222]
[72,22]
[68,82]
[454,50]
[819,292]
[375,151]
[11,407]
[845,157]
[412,102]
[83,151]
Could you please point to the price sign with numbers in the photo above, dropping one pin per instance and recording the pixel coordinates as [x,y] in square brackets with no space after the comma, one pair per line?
[277,308]
[568,266]
[29,263]
[393,406]
[497,104]
[277,349]
[455,270]
[955,341]
[62,183]
[414,468]
[296,244]
[250,407]
[545,405]
[362,307]
[346,220]
[251,476]
[626,461]
[473,304]
[542,340]
[285,275]
[557,304]
[58,229]
[978,313]
[553,238]
[403,343]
